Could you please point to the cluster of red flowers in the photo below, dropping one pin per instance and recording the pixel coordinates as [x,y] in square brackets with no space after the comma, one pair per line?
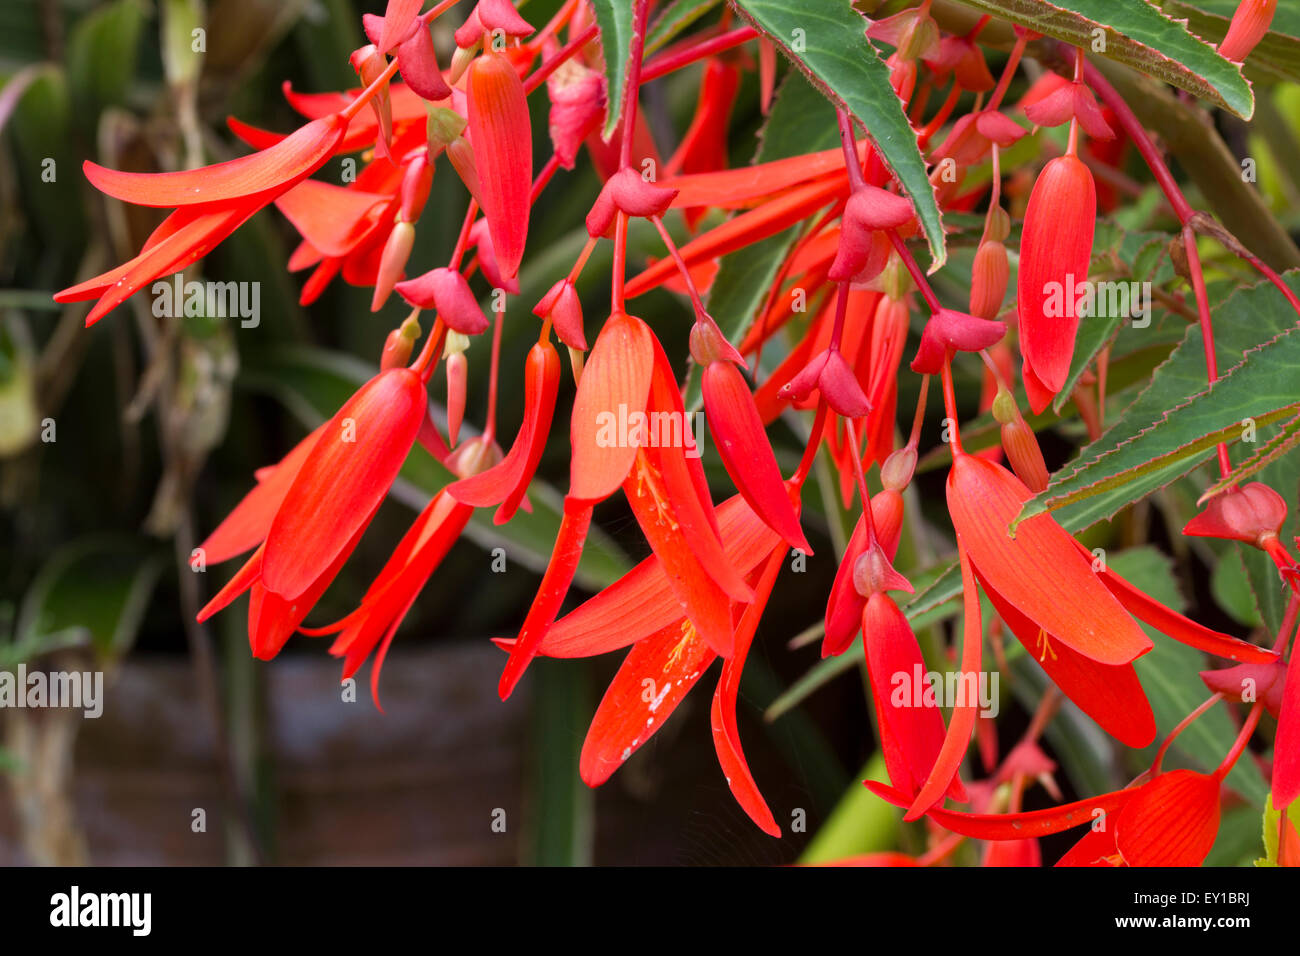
[701,593]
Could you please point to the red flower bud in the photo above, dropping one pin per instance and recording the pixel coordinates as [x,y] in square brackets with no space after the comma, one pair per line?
[627,192]
[830,372]
[396,251]
[503,154]
[447,291]
[1250,514]
[1055,251]
[870,209]
[416,182]
[419,65]
[563,307]
[989,278]
[950,329]
[1249,25]
[457,377]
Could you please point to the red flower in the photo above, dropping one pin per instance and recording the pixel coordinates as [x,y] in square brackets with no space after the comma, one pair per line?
[336,491]
[503,154]
[1055,251]
[212,202]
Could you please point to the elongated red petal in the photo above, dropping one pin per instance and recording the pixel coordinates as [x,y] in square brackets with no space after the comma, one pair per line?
[746,453]
[962,719]
[506,482]
[194,233]
[641,602]
[246,526]
[503,152]
[915,729]
[726,733]
[1110,694]
[1097,848]
[273,618]
[743,230]
[845,606]
[1013,826]
[707,606]
[332,218]
[1040,571]
[1286,747]
[295,157]
[1055,251]
[1182,629]
[243,579]
[654,678]
[615,382]
[550,594]
[398,17]
[1172,821]
[343,480]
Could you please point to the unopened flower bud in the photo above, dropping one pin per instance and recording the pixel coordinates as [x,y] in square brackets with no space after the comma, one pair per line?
[1023,453]
[416,182]
[708,345]
[1249,25]
[399,345]
[896,473]
[392,262]
[457,380]
[989,277]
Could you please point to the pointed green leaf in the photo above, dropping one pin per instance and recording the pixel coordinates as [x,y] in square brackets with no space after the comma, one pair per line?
[827,40]
[1136,33]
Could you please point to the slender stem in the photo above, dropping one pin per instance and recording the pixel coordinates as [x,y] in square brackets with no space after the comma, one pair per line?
[490,426]
[918,418]
[700,314]
[850,146]
[1008,71]
[867,515]
[950,405]
[668,62]
[582,259]
[620,261]
[631,93]
[917,275]
[425,363]
[1207,327]
[462,240]
[1182,725]
[841,311]
[543,72]
[1247,729]
[814,442]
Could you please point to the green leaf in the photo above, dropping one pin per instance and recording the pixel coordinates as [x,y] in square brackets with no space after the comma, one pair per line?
[675,18]
[827,40]
[1286,439]
[1181,439]
[96,589]
[1277,57]
[615,20]
[102,53]
[1182,376]
[314,383]
[1123,261]
[1137,34]
[561,832]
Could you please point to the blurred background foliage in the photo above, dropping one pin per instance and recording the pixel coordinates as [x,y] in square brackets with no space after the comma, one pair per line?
[121,446]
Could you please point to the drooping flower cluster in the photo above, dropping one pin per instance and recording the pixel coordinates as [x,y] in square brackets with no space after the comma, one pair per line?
[701,593]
